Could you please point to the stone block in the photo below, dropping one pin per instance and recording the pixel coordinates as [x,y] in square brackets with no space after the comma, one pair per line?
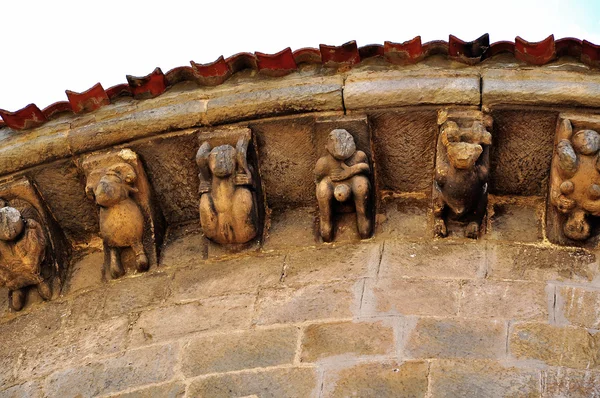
[482,379]
[403,217]
[345,262]
[568,383]
[410,297]
[169,390]
[325,340]
[291,227]
[525,262]
[219,313]
[505,300]
[437,260]
[219,278]
[276,383]
[293,305]
[132,294]
[238,351]
[85,273]
[578,306]
[30,389]
[455,338]
[185,246]
[385,379]
[86,307]
[132,369]
[521,152]
[554,345]
[405,142]
[515,220]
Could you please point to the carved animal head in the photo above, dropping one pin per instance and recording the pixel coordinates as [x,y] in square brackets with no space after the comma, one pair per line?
[114,186]
[222,161]
[11,223]
[464,146]
[340,144]
[577,226]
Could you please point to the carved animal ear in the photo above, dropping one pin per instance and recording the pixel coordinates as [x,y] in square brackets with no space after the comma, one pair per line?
[125,171]
[202,154]
[241,151]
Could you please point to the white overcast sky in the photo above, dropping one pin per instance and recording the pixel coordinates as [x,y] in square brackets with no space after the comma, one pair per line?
[50,46]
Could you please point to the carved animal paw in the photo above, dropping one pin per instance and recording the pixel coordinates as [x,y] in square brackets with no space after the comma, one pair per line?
[141,263]
[439,228]
[472,230]
[45,290]
[16,299]
[326,233]
[116,270]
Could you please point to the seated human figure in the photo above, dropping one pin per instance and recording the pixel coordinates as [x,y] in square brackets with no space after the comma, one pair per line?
[228,211]
[22,251]
[342,175]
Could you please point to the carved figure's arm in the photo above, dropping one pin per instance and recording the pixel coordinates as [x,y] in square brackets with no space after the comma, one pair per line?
[321,169]
[202,162]
[243,175]
[32,246]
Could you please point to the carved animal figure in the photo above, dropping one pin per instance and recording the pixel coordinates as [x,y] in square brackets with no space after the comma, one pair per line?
[341,175]
[22,251]
[227,206]
[461,177]
[575,189]
[121,220]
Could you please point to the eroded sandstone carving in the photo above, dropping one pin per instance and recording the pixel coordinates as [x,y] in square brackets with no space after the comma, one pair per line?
[117,183]
[228,206]
[461,170]
[342,176]
[575,179]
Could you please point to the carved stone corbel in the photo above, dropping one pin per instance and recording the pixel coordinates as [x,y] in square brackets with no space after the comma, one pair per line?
[575,179]
[461,170]
[117,182]
[230,202]
[33,250]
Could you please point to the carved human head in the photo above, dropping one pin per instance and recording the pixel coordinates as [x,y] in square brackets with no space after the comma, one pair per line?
[221,161]
[115,185]
[11,223]
[462,146]
[340,144]
[577,226]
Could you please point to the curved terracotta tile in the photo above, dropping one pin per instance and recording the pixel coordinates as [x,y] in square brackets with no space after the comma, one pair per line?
[58,107]
[89,100]
[242,61]
[25,118]
[120,90]
[469,52]
[213,73]
[370,51]
[307,55]
[435,47]
[148,86]
[347,53]
[500,47]
[278,64]
[568,46]
[590,53]
[410,51]
[179,74]
[536,53]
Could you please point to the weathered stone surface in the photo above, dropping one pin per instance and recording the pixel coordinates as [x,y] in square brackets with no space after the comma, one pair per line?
[516,261]
[291,227]
[169,390]
[515,221]
[568,383]
[504,300]
[86,307]
[130,294]
[41,321]
[521,152]
[134,368]
[410,297]
[290,305]
[220,278]
[481,378]
[185,246]
[386,379]
[9,362]
[276,383]
[328,264]
[30,389]
[554,345]
[540,87]
[371,89]
[325,340]
[403,218]
[219,313]
[460,338]
[238,351]
[85,273]
[434,260]
[578,306]
[405,143]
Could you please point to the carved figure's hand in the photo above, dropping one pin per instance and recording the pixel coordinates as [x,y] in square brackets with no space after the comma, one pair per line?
[565,205]
[204,187]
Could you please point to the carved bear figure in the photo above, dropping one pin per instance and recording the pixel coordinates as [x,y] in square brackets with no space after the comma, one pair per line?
[121,220]
[461,176]
[342,175]
[22,252]
[228,213]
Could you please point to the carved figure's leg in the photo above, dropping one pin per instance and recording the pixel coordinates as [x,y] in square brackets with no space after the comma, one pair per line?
[16,299]
[439,207]
[114,262]
[472,229]
[208,216]
[244,215]
[324,198]
[360,189]
[45,290]
[141,261]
